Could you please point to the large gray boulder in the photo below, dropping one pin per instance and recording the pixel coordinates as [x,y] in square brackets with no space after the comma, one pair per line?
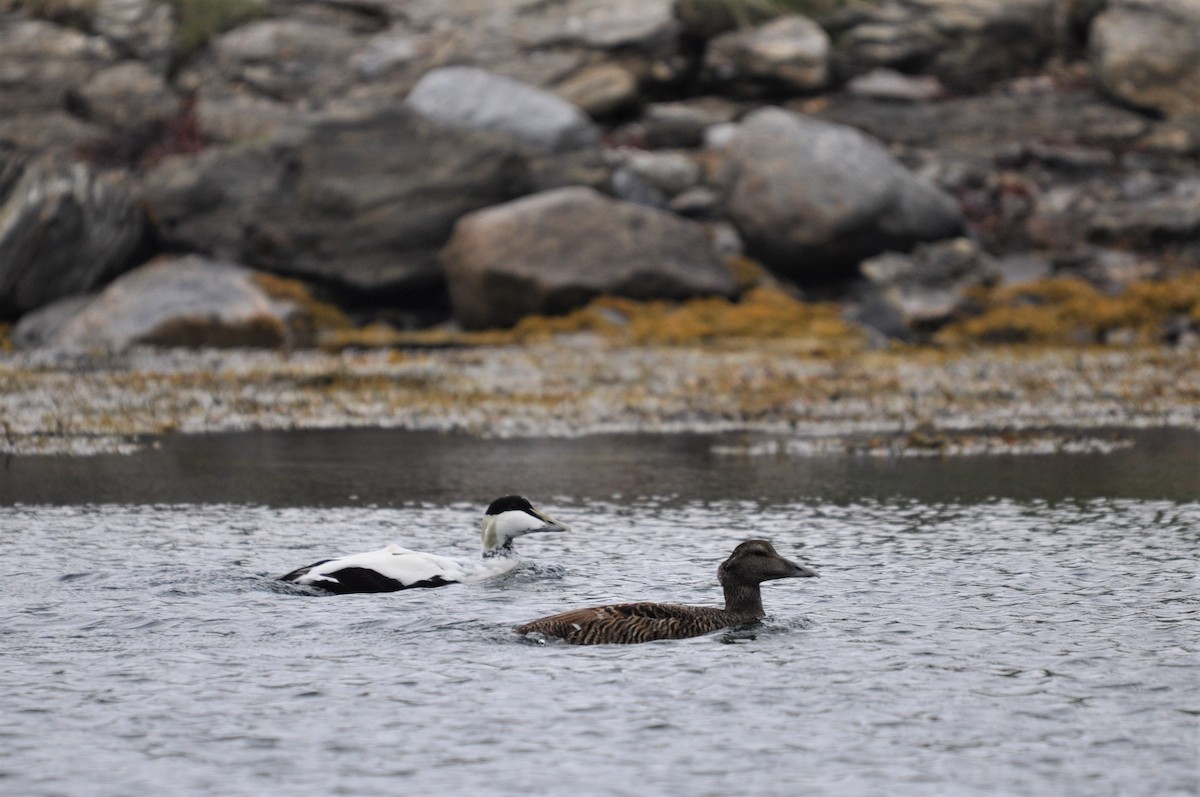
[467,98]
[967,44]
[811,198]
[64,229]
[362,200]
[1147,53]
[187,301]
[554,251]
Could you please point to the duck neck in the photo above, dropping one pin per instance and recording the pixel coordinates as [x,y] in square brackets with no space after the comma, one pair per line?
[744,600]
[504,550]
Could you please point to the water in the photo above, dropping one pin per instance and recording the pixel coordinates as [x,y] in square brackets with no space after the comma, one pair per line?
[1017,643]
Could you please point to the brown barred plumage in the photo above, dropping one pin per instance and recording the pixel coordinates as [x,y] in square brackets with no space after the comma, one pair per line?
[749,565]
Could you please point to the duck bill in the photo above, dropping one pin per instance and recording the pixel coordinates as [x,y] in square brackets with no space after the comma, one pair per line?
[800,571]
[551,523]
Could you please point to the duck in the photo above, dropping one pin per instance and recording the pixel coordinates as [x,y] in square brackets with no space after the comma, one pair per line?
[751,563]
[395,568]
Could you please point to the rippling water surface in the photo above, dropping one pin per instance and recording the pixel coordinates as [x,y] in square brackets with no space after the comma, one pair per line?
[984,647]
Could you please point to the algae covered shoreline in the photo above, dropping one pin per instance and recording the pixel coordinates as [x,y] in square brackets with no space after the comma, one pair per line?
[789,399]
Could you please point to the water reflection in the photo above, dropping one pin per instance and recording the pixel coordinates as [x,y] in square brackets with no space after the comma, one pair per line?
[387,468]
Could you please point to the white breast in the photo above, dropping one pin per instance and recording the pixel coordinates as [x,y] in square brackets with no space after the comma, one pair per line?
[400,564]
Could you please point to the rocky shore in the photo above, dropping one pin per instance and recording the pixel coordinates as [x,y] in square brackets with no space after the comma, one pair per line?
[993,401]
[797,185]
[423,163]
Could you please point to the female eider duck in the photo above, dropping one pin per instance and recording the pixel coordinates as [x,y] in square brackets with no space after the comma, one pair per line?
[395,568]
[750,564]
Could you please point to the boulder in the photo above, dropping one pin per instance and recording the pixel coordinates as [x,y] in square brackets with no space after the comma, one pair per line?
[186,301]
[467,98]
[1147,53]
[290,59]
[967,44]
[790,53]
[127,95]
[42,62]
[64,229]
[908,296]
[600,89]
[141,29]
[554,251]
[361,200]
[812,198]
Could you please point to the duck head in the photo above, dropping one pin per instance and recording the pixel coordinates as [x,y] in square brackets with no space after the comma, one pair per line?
[511,516]
[756,561]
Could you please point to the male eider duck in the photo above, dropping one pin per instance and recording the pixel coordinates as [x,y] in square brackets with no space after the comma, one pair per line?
[395,568]
[750,564]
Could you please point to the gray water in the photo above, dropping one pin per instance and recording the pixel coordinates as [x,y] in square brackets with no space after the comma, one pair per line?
[958,642]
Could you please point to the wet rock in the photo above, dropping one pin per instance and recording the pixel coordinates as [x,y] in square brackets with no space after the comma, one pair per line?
[64,229]
[361,200]
[189,301]
[908,296]
[467,98]
[967,44]
[1147,53]
[127,95]
[554,251]
[812,198]
[788,53]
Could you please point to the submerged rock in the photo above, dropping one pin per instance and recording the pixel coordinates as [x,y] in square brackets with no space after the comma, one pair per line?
[552,252]
[64,229]
[188,301]
[812,198]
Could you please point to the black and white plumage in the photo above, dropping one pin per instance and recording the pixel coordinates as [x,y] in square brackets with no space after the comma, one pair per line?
[750,564]
[394,568]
